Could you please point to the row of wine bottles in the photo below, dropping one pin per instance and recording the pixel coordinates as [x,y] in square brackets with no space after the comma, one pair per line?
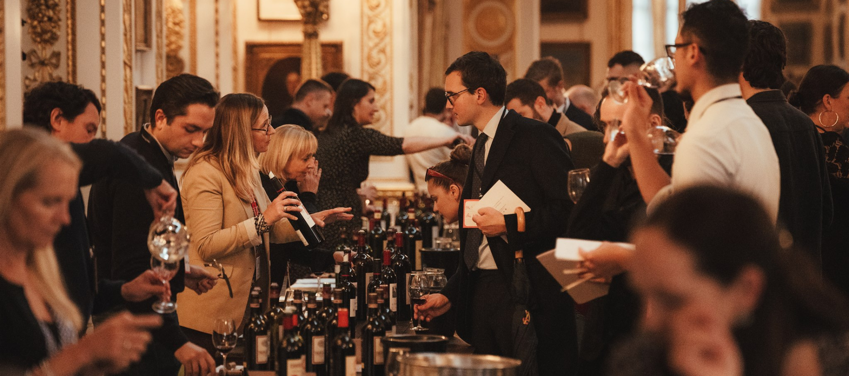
[296,339]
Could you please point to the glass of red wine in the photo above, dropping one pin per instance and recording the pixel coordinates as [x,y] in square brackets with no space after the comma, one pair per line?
[224,337]
[418,290]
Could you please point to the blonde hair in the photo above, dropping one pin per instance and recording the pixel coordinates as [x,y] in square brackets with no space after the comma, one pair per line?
[23,154]
[289,141]
[229,144]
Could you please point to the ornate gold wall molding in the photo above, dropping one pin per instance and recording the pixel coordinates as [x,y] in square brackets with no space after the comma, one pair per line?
[313,13]
[377,58]
[193,36]
[71,37]
[2,67]
[176,26]
[103,68]
[491,27]
[44,26]
[160,41]
[129,47]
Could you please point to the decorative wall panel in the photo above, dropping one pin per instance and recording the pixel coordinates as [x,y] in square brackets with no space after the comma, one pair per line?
[491,27]
[129,47]
[377,58]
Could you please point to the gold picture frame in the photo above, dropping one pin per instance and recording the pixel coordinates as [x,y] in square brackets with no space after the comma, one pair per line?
[143,17]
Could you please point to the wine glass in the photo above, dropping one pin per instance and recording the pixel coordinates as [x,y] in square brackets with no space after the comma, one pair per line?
[224,337]
[393,361]
[418,290]
[657,74]
[164,271]
[578,180]
[663,139]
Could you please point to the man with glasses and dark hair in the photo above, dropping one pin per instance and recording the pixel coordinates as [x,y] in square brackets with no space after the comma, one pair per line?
[530,158]
[726,143]
[181,113]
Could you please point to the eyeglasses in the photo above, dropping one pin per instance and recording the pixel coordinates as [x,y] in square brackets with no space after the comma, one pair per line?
[671,48]
[434,174]
[450,96]
[266,128]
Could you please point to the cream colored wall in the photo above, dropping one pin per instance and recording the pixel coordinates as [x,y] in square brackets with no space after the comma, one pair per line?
[594,30]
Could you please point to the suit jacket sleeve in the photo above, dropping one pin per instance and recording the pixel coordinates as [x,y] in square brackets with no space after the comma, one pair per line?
[103,158]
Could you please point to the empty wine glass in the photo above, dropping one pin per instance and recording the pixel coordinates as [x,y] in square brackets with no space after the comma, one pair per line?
[663,139]
[657,74]
[578,180]
[224,337]
[393,361]
[418,290]
[168,241]
[164,271]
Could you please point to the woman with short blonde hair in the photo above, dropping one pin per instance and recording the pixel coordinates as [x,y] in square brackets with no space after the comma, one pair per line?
[289,142]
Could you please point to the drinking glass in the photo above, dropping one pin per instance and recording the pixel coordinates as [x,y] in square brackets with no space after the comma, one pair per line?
[578,180]
[663,139]
[657,74]
[224,337]
[164,271]
[393,361]
[418,290]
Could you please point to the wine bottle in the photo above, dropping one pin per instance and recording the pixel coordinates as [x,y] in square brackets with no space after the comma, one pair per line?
[313,333]
[343,246]
[389,317]
[430,227]
[326,311]
[343,351]
[362,267]
[401,221]
[377,236]
[256,336]
[372,333]
[349,290]
[375,281]
[292,353]
[332,327]
[413,244]
[390,280]
[402,267]
[274,320]
[386,218]
[298,303]
[304,226]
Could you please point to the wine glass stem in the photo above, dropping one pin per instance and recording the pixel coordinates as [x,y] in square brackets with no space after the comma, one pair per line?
[224,360]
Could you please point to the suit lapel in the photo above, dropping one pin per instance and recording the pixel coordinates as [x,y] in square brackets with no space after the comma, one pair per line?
[498,150]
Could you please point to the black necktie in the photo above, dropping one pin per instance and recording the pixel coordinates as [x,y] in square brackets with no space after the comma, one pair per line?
[474,236]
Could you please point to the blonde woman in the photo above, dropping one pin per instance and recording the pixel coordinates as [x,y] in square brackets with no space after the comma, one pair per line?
[291,157]
[229,214]
[38,180]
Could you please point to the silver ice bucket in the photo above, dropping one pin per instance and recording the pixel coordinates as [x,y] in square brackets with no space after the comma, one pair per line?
[429,364]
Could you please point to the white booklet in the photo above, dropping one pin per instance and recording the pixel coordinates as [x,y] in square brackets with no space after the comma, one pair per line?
[499,197]
[562,263]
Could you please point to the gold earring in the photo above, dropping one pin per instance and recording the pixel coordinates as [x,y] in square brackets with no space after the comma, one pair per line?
[836,119]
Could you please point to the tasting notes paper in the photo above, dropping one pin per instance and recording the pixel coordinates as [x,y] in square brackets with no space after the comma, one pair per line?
[499,197]
[562,262]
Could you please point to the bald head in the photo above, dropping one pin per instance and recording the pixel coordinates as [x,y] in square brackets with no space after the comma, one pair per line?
[583,97]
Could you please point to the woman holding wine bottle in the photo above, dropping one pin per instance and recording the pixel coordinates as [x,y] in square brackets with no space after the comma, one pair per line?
[231,218]
[346,146]
[40,323]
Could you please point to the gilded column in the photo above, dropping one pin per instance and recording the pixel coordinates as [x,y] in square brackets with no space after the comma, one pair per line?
[71,22]
[129,47]
[103,68]
[619,25]
[193,36]
[160,41]
[313,12]
[377,58]
[175,30]
[44,28]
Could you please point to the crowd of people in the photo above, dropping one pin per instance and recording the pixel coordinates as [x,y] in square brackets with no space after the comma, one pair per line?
[739,264]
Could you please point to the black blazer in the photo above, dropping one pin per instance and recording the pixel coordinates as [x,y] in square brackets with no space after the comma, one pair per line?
[579,116]
[119,218]
[531,158]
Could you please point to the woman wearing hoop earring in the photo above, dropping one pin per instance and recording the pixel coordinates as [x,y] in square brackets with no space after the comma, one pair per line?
[824,96]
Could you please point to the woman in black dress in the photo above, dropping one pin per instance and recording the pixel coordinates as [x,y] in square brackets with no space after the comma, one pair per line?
[344,149]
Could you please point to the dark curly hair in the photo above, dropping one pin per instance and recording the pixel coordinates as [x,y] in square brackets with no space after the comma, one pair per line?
[71,99]
[721,29]
[767,56]
[350,93]
[480,70]
[176,93]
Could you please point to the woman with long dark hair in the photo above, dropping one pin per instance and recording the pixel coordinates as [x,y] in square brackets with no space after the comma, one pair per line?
[345,146]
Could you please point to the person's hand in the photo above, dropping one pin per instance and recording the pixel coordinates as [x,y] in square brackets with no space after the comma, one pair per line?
[163,199]
[636,118]
[367,191]
[604,262]
[332,215]
[145,286]
[701,346]
[309,182]
[435,305]
[195,360]
[199,279]
[281,206]
[119,341]
[616,151]
[490,222]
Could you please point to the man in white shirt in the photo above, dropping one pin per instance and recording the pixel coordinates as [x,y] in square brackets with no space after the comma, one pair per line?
[726,143]
[430,124]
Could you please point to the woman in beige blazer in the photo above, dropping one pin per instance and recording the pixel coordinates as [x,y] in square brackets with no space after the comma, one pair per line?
[229,215]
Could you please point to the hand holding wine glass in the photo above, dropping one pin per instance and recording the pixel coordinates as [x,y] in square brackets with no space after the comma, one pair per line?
[224,338]
[657,74]
[168,242]
[418,290]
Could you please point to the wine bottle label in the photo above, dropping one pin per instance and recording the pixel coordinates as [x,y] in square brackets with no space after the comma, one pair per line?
[318,350]
[434,234]
[351,365]
[261,349]
[280,332]
[408,288]
[378,350]
[393,297]
[303,239]
[353,310]
[307,216]
[418,255]
[296,367]
[369,277]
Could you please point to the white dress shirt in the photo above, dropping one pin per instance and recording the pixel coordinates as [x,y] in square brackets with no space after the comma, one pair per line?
[726,144]
[485,260]
[426,126]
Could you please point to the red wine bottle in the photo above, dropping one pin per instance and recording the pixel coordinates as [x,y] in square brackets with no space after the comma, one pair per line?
[274,321]
[343,351]
[413,243]
[402,267]
[327,311]
[256,336]
[332,327]
[292,353]
[385,217]
[430,227]
[304,226]
[389,317]
[362,267]
[372,333]
[390,280]
[349,290]
[313,333]
[377,236]
[298,303]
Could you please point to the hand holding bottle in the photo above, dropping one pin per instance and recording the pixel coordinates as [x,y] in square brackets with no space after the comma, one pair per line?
[281,206]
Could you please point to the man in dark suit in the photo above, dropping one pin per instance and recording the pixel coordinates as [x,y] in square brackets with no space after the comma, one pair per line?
[549,73]
[531,159]
[182,111]
[311,107]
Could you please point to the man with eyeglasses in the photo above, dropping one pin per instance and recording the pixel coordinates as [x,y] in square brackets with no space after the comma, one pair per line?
[530,158]
[725,144]
[181,112]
